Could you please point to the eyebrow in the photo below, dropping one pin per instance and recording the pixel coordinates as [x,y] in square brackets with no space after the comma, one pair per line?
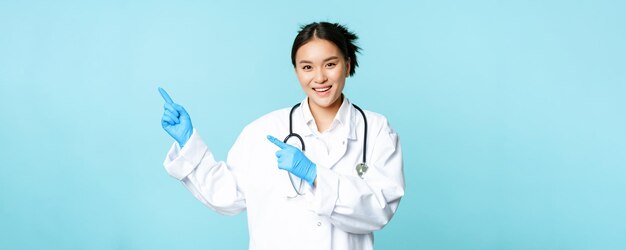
[325,60]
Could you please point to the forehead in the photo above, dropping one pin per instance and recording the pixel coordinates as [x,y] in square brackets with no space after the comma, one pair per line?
[317,50]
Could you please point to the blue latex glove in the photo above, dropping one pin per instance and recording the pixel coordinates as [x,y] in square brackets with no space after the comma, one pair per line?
[293,160]
[175,120]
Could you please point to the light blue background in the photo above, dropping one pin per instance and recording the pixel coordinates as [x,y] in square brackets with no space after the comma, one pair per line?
[512,115]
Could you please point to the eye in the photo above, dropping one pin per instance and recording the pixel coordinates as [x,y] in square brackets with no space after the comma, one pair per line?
[330,65]
[306,67]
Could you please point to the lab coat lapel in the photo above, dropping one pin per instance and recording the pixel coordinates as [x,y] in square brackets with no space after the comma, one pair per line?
[345,134]
[334,157]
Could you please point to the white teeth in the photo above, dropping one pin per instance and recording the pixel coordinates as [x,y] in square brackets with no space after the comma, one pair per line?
[322,90]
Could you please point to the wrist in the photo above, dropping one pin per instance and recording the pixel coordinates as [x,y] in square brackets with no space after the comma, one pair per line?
[312,175]
[185,138]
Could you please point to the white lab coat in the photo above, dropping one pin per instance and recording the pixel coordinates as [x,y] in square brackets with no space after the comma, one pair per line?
[341,212]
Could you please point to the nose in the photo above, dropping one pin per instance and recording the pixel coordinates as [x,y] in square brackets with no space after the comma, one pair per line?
[320,76]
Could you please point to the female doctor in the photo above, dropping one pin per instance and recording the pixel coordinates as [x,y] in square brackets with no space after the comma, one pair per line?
[334,191]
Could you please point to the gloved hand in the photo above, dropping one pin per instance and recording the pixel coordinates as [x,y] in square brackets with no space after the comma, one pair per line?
[293,160]
[175,120]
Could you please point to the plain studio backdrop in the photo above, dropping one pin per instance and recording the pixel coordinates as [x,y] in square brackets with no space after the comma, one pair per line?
[512,116]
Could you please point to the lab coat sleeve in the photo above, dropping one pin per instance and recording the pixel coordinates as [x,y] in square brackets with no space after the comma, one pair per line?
[213,183]
[365,205]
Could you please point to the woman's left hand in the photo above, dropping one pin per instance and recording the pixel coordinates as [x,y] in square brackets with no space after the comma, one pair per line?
[293,160]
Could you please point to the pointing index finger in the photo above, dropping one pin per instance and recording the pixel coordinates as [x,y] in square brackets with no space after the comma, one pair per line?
[277,142]
[165,96]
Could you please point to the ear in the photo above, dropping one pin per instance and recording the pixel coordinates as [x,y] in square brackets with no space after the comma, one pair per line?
[348,67]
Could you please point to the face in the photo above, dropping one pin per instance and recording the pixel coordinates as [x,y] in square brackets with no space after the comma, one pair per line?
[322,72]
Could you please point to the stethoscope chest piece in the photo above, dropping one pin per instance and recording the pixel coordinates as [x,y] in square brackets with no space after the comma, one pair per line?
[361,168]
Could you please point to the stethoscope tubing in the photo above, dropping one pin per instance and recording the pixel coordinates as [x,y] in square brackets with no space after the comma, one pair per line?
[292,134]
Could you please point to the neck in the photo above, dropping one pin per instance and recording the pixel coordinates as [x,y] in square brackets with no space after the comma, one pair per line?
[324,116]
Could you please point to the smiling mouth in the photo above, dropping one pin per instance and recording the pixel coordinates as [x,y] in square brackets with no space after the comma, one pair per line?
[323,89]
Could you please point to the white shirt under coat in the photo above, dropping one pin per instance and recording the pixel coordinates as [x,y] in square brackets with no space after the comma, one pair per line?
[341,212]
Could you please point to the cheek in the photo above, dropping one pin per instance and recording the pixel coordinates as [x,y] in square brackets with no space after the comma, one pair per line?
[337,74]
[303,78]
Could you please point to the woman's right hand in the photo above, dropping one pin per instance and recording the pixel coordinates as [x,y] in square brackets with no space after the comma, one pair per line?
[175,121]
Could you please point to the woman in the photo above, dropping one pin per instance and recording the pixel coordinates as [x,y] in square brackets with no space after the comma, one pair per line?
[321,198]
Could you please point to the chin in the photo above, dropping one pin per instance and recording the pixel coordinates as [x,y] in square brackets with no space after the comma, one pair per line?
[324,102]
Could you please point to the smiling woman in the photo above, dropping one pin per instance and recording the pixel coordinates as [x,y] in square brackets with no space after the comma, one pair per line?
[322,72]
[323,55]
[341,206]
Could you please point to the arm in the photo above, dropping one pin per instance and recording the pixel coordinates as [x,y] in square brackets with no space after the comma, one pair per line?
[213,183]
[365,205]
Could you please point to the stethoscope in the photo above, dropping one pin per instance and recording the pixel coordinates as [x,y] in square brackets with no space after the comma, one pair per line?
[360,168]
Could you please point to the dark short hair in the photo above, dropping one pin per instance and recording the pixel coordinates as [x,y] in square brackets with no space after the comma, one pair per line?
[333,32]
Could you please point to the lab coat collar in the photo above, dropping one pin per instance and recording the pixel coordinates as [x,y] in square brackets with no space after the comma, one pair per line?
[344,119]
